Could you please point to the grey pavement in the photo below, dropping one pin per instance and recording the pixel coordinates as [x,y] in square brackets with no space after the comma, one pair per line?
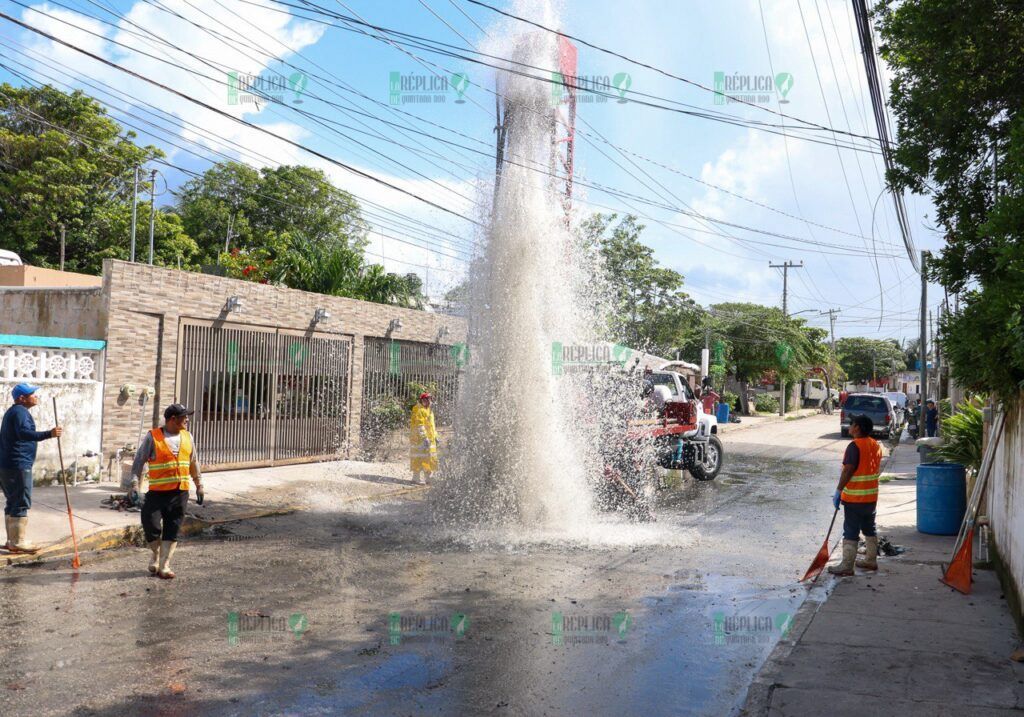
[898,642]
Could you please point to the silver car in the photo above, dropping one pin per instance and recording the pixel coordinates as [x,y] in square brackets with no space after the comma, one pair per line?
[876,407]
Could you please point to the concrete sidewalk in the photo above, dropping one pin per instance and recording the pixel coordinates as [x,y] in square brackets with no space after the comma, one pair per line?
[898,642]
[230,496]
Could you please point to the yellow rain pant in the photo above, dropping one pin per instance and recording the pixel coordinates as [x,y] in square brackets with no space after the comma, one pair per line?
[421,428]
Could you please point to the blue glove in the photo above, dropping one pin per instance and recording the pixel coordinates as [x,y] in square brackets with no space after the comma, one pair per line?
[835,499]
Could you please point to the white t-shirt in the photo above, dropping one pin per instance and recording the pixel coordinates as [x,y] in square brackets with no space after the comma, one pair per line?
[173,442]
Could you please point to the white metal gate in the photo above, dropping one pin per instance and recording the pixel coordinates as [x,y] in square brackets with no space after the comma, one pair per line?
[263,396]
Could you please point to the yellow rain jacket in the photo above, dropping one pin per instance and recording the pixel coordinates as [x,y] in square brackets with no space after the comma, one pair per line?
[421,427]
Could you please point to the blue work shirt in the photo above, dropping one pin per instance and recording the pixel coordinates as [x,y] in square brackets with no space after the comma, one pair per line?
[931,419]
[18,438]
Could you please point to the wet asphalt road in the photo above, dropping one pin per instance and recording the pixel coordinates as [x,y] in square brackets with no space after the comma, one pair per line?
[375,611]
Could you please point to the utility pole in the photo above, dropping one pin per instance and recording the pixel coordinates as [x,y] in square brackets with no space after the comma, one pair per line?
[923,339]
[785,266]
[227,237]
[62,247]
[832,326]
[152,212]
[135,206]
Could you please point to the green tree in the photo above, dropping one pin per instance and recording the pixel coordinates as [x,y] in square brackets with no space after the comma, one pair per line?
[956,95]
[65,162]
[650,309]
[336,270]
[265,210]
[863,359]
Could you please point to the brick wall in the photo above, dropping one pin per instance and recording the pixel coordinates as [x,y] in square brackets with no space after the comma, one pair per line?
[145,305]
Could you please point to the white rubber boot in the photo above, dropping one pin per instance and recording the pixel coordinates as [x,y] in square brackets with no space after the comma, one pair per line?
[9,532]
[870,561]
[154,545]
[845,567]
[20,543]
[167,548]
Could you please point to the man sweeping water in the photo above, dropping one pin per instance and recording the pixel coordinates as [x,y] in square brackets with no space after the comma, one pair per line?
[858,492]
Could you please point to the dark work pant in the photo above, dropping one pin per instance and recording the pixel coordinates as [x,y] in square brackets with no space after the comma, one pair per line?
[17,487]
[166,507]
[858,518]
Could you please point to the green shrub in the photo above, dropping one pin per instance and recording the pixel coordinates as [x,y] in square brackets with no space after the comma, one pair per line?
[731,399]
[386,414]
[962,435]
[766,403]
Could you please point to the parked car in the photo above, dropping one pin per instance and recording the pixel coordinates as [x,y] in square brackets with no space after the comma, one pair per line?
[875,406]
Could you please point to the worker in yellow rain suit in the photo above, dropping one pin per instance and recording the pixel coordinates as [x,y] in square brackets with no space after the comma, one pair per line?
[422,440]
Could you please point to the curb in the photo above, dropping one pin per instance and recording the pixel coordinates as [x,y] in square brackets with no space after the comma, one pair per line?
[124,535]
[759,694]
[733,427]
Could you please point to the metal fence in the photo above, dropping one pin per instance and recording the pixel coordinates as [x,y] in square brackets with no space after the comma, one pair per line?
[264,396]
[389,370]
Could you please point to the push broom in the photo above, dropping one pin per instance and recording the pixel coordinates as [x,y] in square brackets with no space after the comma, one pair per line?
[822,557]
[75,562]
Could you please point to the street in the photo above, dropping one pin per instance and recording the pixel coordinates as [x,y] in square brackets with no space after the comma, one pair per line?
[377,610]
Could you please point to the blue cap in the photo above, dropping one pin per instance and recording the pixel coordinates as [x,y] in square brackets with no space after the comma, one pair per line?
[23,389]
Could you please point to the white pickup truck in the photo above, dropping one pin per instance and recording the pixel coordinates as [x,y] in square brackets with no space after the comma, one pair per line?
[813,392]
[707,424]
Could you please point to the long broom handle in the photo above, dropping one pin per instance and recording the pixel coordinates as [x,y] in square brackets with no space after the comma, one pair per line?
[64,481]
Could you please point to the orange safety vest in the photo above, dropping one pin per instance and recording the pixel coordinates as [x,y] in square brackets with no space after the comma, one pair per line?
[863,485]
[166,470]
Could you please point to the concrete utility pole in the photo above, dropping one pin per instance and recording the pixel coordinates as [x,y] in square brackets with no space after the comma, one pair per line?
[785,266]
[62,247]
[135,207]
[923,340]
[152,212]
[832,326]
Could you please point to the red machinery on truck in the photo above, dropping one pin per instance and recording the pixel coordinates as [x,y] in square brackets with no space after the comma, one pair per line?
[667,439]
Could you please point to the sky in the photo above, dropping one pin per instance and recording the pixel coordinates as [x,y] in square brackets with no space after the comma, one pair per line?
[419,154]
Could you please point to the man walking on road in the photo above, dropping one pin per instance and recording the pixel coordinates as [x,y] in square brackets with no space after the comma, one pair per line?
[858,492]
[422,440]
[172,461]
[18,439]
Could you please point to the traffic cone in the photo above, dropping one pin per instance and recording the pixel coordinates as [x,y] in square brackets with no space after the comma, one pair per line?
[958,574]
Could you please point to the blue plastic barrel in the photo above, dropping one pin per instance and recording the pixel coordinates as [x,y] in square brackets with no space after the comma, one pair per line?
[723,413]
[941,498]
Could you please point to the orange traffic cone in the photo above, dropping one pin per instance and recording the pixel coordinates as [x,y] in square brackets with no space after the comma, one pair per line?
[958,573]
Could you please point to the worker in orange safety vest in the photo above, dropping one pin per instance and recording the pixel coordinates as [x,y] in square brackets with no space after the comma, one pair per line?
[858,493]
[173,466]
